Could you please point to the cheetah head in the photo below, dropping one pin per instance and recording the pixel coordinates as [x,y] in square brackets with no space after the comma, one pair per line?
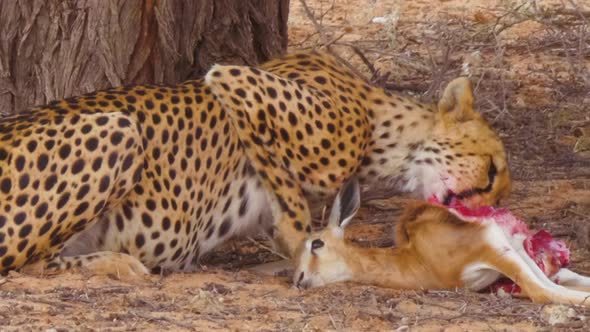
[466,158]
[452,154]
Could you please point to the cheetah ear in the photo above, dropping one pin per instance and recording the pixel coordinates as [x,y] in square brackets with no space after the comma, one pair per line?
[346,205]
[456,103]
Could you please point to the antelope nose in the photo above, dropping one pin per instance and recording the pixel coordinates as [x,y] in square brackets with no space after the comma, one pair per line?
[300,284]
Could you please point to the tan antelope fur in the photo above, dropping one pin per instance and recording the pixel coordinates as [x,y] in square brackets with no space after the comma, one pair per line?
[435,249]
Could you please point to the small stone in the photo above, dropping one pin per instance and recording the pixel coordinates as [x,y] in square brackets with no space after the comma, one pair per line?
[558,314]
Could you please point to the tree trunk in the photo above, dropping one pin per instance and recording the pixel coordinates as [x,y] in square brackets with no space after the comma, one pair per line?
[52,49]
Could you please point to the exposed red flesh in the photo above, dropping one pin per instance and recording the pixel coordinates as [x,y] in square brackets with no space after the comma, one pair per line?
[547,252]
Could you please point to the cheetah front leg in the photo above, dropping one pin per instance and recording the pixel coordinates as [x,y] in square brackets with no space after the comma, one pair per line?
[249,97]
[289,208]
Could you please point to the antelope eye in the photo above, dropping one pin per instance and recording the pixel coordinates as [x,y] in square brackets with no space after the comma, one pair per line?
[316,244]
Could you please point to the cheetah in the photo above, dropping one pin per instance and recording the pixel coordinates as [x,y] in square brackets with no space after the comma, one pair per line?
[146,178]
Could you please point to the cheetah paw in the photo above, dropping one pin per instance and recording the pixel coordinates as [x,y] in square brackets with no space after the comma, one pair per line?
[116,264]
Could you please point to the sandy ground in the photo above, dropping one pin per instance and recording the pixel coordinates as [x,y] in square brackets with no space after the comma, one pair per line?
[530,63]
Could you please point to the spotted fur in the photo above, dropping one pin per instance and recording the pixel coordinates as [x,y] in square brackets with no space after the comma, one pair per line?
[156,176]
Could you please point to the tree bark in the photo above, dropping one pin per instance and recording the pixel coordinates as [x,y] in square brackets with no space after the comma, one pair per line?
[52,49]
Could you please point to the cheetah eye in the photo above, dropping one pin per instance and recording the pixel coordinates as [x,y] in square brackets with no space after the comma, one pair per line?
[492,171]
[316,244]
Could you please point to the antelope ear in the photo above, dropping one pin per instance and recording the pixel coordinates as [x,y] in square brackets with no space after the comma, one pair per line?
[346,204]
[456,103]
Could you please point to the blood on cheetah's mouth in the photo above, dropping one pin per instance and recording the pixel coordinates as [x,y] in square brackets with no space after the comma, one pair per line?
[492,172]
[449,198]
